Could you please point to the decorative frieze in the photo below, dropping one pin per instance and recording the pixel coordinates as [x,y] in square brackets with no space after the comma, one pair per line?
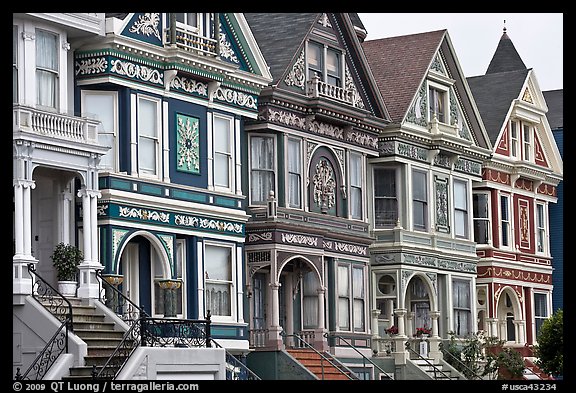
[236,97]
[143,214]
[417,112]
[467,166]
[442,160]
[326,129]
[441,192]
[514,274]
[351,86]
[189,86]
[413,152]
[208,223]
[386,148]
[255,237]
[294,238]
[297,75]
[283,117]
[137,71]
[95,65]
[350,248]
[147,24]
[362,138]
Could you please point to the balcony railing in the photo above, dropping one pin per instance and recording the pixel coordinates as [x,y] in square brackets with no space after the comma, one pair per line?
[55,125]
[318,88]
[190,41]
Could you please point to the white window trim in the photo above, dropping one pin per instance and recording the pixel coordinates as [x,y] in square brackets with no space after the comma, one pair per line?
[287,140]
[231,154]
[510,222]
[324,54]
[468,208]
[274,169]
[489,218]
[399,195]
[114,94]
[545,224]
[531,142]
[233,286]
[446,92]
[350,267]
[194,29]
[158,138]
[362,186]
[548,308]
[428,188]
[514,142]
[471,293]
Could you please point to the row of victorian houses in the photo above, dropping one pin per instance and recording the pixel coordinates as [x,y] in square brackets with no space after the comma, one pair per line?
[283,176]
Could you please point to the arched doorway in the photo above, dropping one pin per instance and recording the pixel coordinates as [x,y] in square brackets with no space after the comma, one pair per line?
[508,312]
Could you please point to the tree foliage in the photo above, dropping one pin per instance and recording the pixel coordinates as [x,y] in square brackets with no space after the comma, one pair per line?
[550,348]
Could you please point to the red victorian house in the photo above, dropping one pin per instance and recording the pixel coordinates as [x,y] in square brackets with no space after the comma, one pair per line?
[511,225]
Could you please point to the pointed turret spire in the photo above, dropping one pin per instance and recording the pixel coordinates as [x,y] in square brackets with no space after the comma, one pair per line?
[506,58]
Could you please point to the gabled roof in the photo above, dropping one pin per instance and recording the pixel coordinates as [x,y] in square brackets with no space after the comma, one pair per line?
[506,58]
[399,65]
[494,94]
[555,102]
[279,35]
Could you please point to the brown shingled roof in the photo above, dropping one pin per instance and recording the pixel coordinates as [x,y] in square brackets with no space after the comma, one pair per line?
[399,65]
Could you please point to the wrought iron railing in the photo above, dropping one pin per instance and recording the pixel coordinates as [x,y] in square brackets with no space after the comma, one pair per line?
[236,370]
[437,372]
[301,343]
[364,358]
[164,332]
[61,308]
[119,303]
[121,354]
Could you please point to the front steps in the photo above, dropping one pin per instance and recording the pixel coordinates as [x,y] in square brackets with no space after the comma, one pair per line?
[313,362]
[435,370]
[100,337]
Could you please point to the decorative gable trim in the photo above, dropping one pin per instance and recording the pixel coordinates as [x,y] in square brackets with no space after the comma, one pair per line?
[539,157]
[297,75]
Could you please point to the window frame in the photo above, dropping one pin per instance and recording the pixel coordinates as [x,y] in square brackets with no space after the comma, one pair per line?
[230,154]
[505,222]
[486,219]
[289,173]
[114,132]
[231,283]
[540,221]
[539,319]
[424,203]
[352,298]
[465,210]
[527,142]
[251,168]
[322,69]
[436,90]
[157,139]
[353,156]
[54,72]
[386,197]
[459,308]
[514,129]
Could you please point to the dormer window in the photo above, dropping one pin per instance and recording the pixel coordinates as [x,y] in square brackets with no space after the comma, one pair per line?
[437,100]
[514,138]
[527,142]
[325,63]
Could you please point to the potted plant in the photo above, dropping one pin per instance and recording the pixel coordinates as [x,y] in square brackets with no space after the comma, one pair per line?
[392,330]
[423,332]
[66,259]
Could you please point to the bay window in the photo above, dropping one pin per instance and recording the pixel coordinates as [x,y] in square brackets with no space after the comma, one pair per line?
[505,221]
[351,298]
[262,168]
[385,198]
[356,186]
[222,143]
[47,68]
[218,274]
[294,173]
[148,135]
[419,201]
[460,209]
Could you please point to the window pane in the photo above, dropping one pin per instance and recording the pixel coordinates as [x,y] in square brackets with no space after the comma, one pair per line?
[314,55]
[294,190]
[480,205]
[460,219]
[384,182]
[419,186]
[107,160]
[46,50]
[102,107]
[419,215]
[221,170]
[262,153]
[294,156]
[358,282]
[481,232]
[460,195]
[147,154]
[344,313]
[343,285]
[147,118]
[358,314]
[356,202]
[218,263]
[46,85]
[385,212]
[218,299]
[221,135]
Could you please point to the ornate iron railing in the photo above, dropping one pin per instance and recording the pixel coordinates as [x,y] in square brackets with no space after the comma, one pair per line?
[301,343]
[364,358]
[116,301]
[236,370]
[61,308]
[121,354]
[163,332]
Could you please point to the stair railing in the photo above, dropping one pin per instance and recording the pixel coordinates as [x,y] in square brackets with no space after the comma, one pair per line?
[323,357]
[364,358]
[420,357]
[119,303]
[236,370]
[467,371]
[54,302]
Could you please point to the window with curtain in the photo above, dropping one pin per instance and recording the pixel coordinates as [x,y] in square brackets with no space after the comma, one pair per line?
[505,220]
[103,106]
[157,275]
[514,138]
[460,209]
[314,57]
[419,201]
[333,68]
[437,99]
[148,136]
[480,206]
[222,145]
[310,305]
[262,168]
[258,298]
[218,279]
[325,63]
[385,198]
[343,298]
[356,186]
[14,63]
[540,228]
[47,68]
[294,173]
[351,298]
[462,307]
[540,311]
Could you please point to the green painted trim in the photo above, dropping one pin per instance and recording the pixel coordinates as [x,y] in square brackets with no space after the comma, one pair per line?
[189,196]
[150,189]
[120,184]
[242,43]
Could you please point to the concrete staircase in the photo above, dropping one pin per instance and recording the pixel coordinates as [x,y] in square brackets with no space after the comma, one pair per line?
[435,369]
[100,337]
[321,367]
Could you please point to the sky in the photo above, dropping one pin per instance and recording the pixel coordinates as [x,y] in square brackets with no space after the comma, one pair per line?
[537,37]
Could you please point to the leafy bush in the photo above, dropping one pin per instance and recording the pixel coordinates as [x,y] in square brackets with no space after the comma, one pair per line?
[66,259]
[550,348]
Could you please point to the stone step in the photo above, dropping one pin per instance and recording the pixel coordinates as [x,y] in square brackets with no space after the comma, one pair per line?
[94,325]
[101,342]
[103,334]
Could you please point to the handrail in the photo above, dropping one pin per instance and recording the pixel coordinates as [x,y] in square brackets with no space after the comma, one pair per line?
[48,355]
[322,356]
[327,335]
[127,316]
[436,369]
[235,362]
[116,360]
[469,372]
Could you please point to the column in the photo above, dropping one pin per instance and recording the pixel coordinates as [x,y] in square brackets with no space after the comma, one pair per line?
[410,329]
[274,339]
[519,329]
[320,342]
[21,279]
[169,287]
[89,286]
[434,349]
[400,353]
[289,301]
[492,327]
